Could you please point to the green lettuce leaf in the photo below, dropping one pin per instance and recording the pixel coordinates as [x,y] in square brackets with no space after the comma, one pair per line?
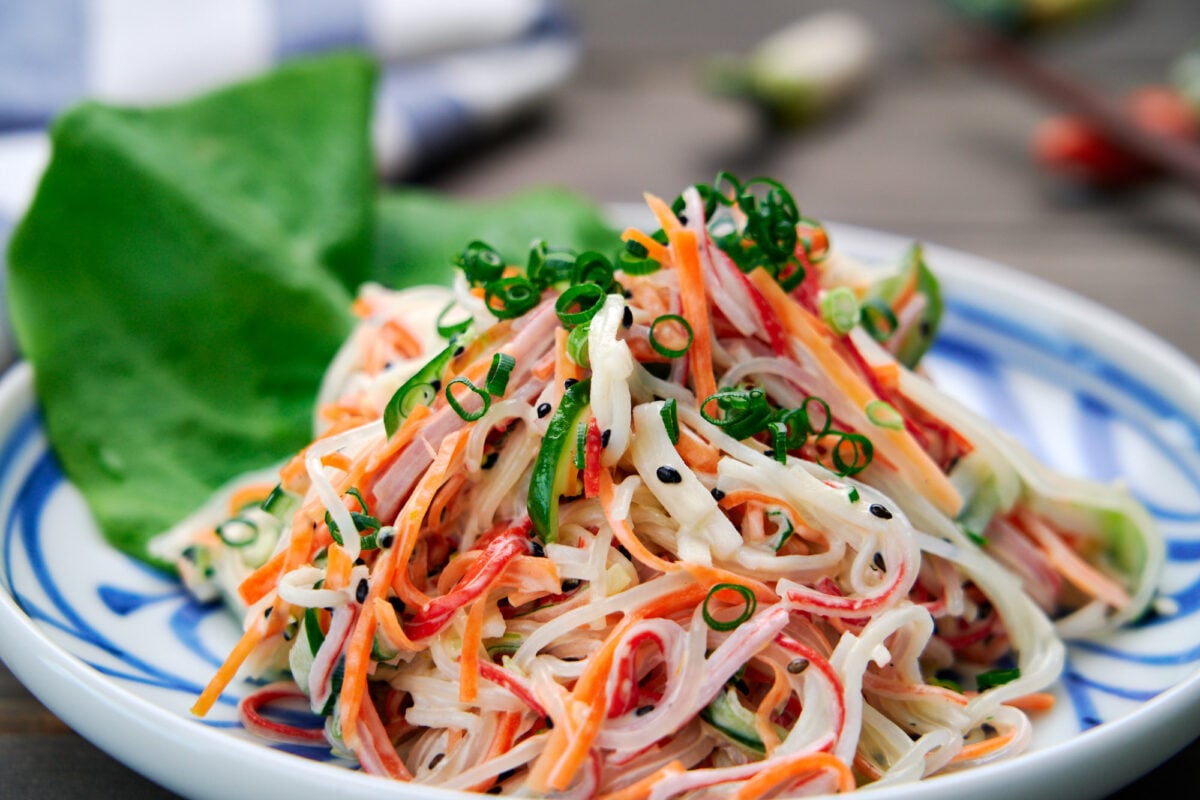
[185,273]
[183,276]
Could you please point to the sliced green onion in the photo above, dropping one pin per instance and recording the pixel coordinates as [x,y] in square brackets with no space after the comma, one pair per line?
[446,330]
[840,310]
[481,263]
[636,249]
[785,533]
[853,494]
[751,603]
[793,278]
[457,406]
[996,677]
[633,265]
[548,267]
[779,440]
[797,429]
[884,415]
[238,532]
[662,349]
[861,453]
[807,419]
[577,345]
[670,418]
[516,295]
[589,297]
[879,319]
[592,267]
[497,377]
[745,412]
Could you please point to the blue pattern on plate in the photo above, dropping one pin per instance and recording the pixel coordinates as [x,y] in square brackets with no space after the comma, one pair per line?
[982,347]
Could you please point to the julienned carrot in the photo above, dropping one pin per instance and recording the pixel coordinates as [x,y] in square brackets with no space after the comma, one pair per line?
[985,747]
[262,580]
[249,496]
[695,310]
[507,725]
[408,527]
[390,626]
[337,568]
[1034,701]
[921,469]
[697,453]
[790,770]
[641,790]
[383,758]
[663,213]
[653,248]
[625,535]
[468,661]
[253,636]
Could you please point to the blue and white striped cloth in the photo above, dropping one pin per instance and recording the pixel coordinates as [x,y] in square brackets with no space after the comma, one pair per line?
[451,69]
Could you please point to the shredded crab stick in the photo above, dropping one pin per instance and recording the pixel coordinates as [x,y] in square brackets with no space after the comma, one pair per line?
[659,525]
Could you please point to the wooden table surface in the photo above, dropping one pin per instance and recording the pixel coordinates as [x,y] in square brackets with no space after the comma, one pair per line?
[934,149]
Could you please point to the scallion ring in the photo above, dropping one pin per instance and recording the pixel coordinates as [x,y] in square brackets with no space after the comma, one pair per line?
[806,416]
[238,532]
[636,249]
[497,377]
[839,309]
[592,267]
[458,407]
[661,348]
[779,440]
[745,413]
[446,330]
[670,418]
[879,319]
[633,265]
[588,297]
[884,415]
[861,453]
[516,295]
[481,263]
[577,345]
[751,604]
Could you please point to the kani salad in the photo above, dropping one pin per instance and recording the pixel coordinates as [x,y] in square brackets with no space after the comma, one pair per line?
[686,522]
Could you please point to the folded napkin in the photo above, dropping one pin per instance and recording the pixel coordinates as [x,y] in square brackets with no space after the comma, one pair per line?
[450,71]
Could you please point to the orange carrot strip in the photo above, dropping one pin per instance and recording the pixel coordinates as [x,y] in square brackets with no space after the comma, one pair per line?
[695,311]
[249,496]
[468,661]
[233,662]
[337,461]
[337,570]
[256,585]
[641,790]
[564,367]
[1073,567]
[654,248]
[624,533]
[921,471]
[408,527]
[697,453]
[663,213]
[391,628]
[507,725]
[1034,701]
[985,747]
[769,778]
[402,338]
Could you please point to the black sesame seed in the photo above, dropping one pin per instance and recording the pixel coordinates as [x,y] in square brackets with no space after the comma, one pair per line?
[668,474]
[267,613]
[543,410]
[458,351]
[360,593]
[358,562]
[436,384]
[490,460]
[879,562]
[604,437]
[644,710]
[769,453]
[570,585]
[628,294]
[717,494]
[925,327]
[287,635]
[189,553]
[682,218]
[536,550]
[627,318]
[880,511]
[797,665]
[549,724]
[387,540]
[569,382]
[988,729]
[433,762]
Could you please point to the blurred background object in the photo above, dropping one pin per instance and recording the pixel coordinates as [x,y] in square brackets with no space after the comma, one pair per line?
[936,148]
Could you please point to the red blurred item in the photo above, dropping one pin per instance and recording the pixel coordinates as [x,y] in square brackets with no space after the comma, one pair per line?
[1073,147]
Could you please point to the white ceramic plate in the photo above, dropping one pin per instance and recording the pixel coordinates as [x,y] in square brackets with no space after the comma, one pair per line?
[119,652]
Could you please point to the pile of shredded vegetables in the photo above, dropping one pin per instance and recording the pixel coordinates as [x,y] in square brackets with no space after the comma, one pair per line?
[686,522]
